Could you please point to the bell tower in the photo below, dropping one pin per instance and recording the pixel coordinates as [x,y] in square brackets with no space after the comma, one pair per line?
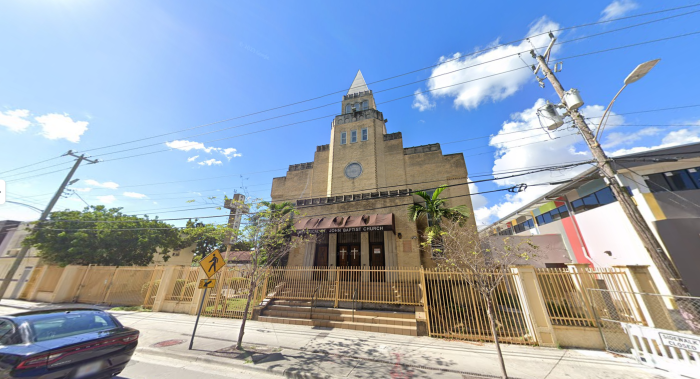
[356,135]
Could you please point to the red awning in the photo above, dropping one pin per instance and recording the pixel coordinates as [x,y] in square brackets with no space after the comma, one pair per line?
[345,224]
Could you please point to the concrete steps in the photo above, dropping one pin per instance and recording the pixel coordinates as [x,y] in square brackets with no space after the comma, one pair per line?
[299,313]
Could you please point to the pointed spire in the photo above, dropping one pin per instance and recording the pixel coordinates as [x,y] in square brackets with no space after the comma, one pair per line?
[358,85]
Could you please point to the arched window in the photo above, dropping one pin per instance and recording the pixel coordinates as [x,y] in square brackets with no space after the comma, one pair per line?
[347,108]
[357,106]
[365,105]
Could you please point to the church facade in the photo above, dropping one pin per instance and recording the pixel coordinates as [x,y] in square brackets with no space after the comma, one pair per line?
[356,192]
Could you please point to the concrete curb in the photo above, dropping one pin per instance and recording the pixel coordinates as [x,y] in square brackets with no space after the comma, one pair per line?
[227,363]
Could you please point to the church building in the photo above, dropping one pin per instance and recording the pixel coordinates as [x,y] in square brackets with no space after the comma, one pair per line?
[356,192]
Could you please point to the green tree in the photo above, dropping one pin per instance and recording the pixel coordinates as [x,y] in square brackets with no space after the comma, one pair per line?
[101,236]
[271,232]
[207,237]
[483,262]
[435,210]
[279,210]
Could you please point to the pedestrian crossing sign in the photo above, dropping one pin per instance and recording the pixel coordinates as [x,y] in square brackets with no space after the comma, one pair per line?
[212,263]
[207,283]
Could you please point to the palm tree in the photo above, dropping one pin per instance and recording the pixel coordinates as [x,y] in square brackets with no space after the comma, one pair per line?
[279,209]
[435,209]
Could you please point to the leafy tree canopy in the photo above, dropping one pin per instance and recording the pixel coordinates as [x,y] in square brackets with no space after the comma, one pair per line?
[101,236]
[210,237]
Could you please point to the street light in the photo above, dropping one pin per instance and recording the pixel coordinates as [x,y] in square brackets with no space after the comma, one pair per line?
[635,75]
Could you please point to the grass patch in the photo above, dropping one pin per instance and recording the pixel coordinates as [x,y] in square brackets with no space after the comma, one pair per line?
[230,305]
[137,308]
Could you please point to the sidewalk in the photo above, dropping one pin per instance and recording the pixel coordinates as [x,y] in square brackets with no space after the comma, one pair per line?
[304,352]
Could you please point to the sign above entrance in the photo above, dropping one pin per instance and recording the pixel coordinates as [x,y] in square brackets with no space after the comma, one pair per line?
[346,224]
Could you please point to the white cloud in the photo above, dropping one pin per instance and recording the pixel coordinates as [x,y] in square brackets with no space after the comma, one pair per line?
[532,148]
[186,145]
[496,88]
[15,120]
[57,126]
[478,201]
[618,138]
[617,8]
[95,183]
[209,162]
[422,102]
[674,138]
[82,189]
[108,199]
[229,153]
[135,195]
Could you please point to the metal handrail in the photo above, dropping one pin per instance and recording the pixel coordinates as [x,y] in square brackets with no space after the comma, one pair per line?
[354,298]
[313,298]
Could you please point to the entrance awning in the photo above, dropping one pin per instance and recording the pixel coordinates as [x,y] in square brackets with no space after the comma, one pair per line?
[345,224]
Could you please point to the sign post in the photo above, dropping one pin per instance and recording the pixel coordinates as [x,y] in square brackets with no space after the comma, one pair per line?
[211,264]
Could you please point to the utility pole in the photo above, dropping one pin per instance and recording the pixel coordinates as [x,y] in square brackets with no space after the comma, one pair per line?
[629,207]
[44,215]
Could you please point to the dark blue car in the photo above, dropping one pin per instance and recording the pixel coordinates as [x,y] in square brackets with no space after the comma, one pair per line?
[64,344]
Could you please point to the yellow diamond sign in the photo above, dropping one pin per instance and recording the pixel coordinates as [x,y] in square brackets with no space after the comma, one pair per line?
[212,263]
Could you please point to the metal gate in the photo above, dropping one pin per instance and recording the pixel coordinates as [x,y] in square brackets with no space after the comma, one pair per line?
[659,331]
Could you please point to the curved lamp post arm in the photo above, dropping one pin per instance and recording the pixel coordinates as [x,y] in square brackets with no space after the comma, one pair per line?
[606,114]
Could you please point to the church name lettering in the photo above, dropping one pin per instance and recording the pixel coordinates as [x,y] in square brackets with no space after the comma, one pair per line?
[350,230]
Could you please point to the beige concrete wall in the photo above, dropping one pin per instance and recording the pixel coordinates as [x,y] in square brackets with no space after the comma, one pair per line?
[362,152]
[319,183]
[27,265]
[579,337]
[67,286]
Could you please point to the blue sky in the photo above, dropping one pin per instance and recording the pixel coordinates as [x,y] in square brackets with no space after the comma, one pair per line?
[80,75]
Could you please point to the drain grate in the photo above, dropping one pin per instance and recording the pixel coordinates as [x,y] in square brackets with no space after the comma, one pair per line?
[167,343]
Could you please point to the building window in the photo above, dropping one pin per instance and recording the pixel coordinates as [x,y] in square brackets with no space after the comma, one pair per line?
[365,105]
[353,136]
[595,200]
[553,215]
[523,226]
[343,138]
[357,106]
[679,180]
[365,133]
[695,175]
[348,108]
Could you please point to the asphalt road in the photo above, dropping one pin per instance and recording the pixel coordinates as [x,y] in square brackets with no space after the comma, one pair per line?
[149,367]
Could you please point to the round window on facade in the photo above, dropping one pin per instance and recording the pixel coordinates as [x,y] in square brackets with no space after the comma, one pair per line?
[353,170]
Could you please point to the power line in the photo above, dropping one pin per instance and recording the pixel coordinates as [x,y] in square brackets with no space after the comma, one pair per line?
[432,66]
[406,96]
[33,164]
[377,188]
[412,95]
[517,188]
[481,63]
[436,65]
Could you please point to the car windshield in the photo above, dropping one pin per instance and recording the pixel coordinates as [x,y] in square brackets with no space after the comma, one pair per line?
[68,324]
